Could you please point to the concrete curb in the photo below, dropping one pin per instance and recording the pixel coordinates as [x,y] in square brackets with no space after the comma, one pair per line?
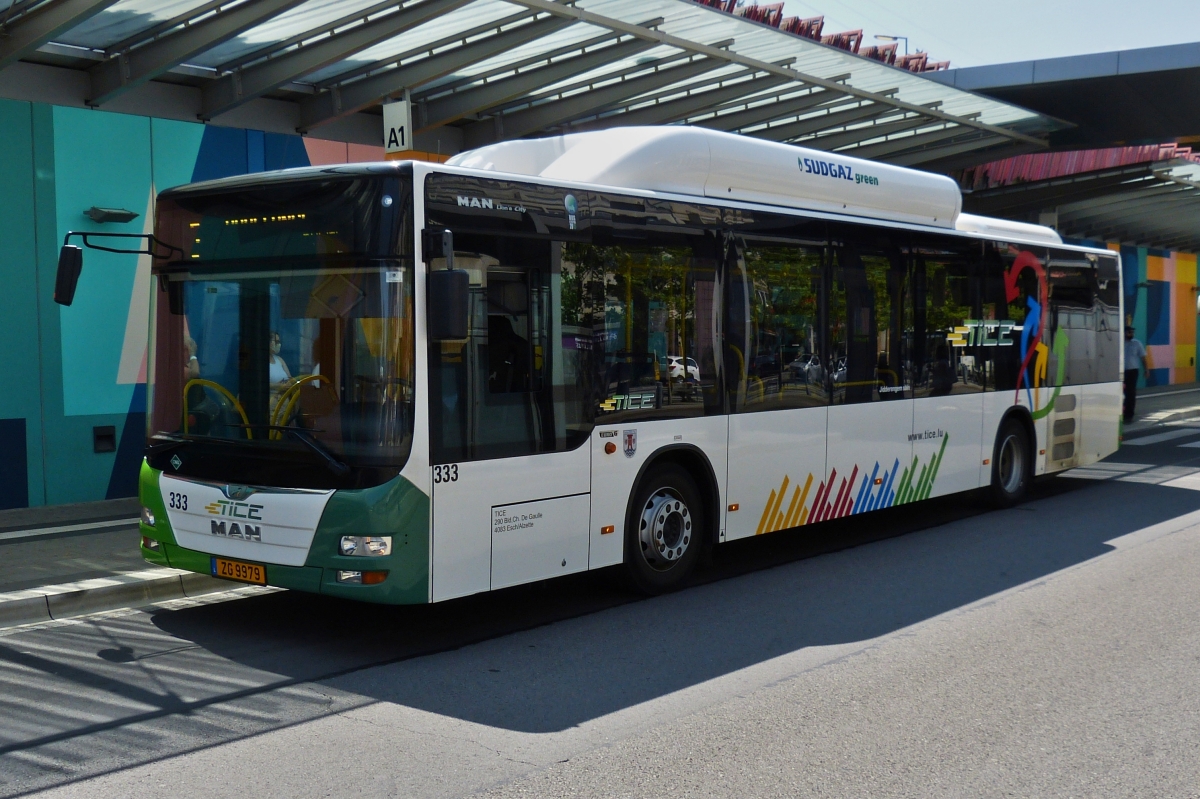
[53,602]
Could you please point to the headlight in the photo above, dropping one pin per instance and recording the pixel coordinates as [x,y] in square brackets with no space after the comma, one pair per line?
[368,546]
[147,517]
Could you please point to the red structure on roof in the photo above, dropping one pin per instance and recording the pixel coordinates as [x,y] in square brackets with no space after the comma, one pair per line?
[1044,166]
[812,27]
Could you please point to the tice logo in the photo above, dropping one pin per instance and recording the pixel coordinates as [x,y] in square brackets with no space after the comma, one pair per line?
[626,402]
[984,333]
[238,510]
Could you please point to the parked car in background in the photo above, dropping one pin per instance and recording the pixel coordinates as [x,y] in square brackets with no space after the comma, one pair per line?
[675,368]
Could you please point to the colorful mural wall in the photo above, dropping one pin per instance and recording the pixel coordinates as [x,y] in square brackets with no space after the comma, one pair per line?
[1160,298]
[74,374]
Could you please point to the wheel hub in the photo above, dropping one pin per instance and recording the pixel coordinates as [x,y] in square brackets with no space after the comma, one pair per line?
[665,529]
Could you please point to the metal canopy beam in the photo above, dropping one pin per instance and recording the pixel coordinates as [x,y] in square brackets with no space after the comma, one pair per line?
[885,149]
[538,117]
[131,68]
[346,99]
[1141,216]
[736,120]
[1056,191]
[1126,204]
[1119,198]
[921,156]
[227,93]
[889,125]
[20,37]
[680,108]
[809,125]
[600,20]
[471,101]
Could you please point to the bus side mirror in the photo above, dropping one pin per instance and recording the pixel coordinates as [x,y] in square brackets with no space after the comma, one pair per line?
[70,264]
[449,297]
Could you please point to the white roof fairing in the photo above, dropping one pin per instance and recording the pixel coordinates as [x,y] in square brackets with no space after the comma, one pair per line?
[708,163]
[699,162]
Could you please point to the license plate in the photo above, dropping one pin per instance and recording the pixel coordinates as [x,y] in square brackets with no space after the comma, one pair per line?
[237,570]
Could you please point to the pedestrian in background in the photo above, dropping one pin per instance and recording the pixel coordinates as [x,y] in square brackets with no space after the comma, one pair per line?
[1135,356]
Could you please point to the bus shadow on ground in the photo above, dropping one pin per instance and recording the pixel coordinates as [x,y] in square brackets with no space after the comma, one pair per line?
[762,599]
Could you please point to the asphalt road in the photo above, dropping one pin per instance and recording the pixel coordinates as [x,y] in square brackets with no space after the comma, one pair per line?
[943,650]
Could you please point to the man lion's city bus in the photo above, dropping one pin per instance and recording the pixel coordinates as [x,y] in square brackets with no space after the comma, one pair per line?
[408,382]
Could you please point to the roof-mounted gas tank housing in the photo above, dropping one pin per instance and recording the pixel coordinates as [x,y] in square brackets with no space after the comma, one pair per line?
[697,161]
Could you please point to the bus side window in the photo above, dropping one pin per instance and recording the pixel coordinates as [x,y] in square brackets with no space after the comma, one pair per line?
[866,317]
[777,351]
[950,328]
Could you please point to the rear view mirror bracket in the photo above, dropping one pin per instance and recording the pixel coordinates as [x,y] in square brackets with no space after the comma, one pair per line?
[70,257]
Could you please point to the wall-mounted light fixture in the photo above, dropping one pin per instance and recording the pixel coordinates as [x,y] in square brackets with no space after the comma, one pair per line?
[97,214]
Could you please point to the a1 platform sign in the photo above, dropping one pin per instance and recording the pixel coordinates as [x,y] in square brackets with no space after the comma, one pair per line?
[397,127]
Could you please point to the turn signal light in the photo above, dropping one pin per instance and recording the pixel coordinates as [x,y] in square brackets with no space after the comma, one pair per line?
[734,507]
[610,448]
[361,578]
[608,528]
[147,516]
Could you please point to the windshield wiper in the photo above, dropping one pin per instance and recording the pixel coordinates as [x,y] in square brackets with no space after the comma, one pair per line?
[154,450]
[335,465]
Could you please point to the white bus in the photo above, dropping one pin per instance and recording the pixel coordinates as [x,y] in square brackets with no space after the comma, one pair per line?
[408,382]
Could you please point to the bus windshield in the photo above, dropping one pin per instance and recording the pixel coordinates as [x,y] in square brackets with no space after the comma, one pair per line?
[284,335]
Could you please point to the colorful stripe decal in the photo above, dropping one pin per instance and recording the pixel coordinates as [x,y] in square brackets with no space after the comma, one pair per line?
[893,487]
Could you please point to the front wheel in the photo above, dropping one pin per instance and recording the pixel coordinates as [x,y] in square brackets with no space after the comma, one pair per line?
[1012,464]
[665,530]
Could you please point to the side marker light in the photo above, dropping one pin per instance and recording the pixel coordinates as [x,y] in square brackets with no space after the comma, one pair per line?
[1041,452]
[608,528]
[734,507]
[987,461]
[610,448]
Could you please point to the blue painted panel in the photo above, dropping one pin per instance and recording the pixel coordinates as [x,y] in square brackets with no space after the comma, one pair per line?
[14,473]
[255,152]
[123,481]
[222,153]
[282,151]
[1158,313]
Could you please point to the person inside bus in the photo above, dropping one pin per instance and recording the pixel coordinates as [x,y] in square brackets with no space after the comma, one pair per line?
[278,376]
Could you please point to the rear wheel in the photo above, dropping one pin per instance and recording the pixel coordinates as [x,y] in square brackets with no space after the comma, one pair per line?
[665,530]
[1012,464]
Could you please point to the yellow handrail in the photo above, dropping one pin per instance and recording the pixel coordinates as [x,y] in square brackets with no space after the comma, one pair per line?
[292,391]
[198,381]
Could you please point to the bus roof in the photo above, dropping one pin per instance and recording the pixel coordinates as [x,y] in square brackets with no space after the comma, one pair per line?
[698,162]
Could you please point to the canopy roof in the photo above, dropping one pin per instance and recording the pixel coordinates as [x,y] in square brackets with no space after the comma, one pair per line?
[1155,204]
[480,71]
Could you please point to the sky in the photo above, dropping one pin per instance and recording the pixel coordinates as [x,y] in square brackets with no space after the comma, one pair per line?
[969,33]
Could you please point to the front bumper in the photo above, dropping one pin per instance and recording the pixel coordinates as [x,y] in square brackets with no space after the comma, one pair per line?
[396,508]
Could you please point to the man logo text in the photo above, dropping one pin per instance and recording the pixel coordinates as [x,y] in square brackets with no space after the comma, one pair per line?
[249,532]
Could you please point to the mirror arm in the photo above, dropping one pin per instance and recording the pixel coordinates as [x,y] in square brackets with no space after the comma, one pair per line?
[151,242]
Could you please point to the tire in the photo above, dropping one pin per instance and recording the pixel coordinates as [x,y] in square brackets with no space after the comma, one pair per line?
[1012,464]
[665,531]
